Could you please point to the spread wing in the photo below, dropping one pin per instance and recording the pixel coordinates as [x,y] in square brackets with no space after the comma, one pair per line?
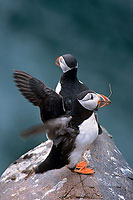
[39,94]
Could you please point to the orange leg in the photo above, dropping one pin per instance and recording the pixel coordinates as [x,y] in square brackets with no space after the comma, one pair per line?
[82,168]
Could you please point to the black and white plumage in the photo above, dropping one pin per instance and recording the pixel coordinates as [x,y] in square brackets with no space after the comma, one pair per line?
[69,86]
[80,131]
[71,134]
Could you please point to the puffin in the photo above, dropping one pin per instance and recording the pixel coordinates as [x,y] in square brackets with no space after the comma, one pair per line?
[69,86]
[71,133]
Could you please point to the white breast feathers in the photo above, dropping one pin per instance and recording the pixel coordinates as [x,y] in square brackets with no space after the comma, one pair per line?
[88,132]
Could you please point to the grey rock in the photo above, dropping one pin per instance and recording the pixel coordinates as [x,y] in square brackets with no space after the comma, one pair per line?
[113,178]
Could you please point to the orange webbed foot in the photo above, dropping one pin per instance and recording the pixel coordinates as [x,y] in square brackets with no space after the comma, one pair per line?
[82,168]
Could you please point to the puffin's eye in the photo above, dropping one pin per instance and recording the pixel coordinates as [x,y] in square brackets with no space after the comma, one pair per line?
[91,96]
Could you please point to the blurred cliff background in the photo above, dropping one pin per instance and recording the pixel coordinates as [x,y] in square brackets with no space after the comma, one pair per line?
[34,33]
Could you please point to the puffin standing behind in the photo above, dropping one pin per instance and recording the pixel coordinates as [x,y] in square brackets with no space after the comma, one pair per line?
[71,134]
[69,86]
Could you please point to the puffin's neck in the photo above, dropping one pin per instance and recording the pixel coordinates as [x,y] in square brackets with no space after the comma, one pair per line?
[79,114]
[71,74]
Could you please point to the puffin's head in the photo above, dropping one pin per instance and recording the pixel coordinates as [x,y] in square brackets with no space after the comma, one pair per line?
[66,62]
[91,100]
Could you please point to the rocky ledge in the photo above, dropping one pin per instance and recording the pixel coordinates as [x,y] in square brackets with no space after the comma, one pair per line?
[113,178]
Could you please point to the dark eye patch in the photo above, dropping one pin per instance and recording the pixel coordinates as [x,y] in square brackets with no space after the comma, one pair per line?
[91,96]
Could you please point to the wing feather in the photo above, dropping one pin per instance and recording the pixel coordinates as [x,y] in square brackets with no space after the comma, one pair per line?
[39,94]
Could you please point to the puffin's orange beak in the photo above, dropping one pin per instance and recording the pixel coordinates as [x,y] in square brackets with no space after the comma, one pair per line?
[57,61]
[103,100]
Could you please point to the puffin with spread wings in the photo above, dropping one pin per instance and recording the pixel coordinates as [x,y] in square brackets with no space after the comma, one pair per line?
[71,134]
